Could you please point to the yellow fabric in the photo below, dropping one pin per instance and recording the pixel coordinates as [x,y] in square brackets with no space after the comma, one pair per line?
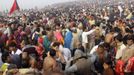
[129,16]
[4,67]
[92,22]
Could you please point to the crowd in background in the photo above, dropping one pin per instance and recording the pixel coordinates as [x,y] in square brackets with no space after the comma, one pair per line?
[69,39]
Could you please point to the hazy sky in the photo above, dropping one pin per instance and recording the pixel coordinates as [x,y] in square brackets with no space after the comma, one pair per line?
[25,4]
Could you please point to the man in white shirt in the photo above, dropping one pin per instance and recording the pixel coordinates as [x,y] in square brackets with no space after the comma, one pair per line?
[8,30]
[85,37]
[18,52]
[120,46]
[13,49]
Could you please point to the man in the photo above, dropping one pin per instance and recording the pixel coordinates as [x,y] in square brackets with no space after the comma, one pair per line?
[13,49]
[63,53]
[129,50]
[109,37]
[79,31]
[8,30]
[85,37]
[27,51]
[120,46]
[79,65]
[50,64]
[99,56]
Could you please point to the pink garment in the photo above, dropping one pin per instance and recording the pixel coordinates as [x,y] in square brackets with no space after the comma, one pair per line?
[58,36]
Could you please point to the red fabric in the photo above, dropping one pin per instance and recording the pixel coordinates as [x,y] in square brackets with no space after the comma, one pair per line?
[40,40]
[40,51]
[119,67]
[130,65]
[14,7]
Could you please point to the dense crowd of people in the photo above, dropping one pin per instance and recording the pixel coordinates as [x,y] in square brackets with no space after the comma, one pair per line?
[69,39]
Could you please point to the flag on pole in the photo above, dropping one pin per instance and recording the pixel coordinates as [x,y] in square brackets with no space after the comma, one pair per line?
[14,7]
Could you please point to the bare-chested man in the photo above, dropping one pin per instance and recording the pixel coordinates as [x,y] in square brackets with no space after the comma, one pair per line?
[50,64]
[109,37]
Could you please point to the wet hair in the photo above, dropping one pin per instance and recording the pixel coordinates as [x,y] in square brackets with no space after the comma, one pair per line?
[119,37]
[130,37]
[125,39]
[4,56]
[52,52]
[56,44]
[107,46]
[44,32]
